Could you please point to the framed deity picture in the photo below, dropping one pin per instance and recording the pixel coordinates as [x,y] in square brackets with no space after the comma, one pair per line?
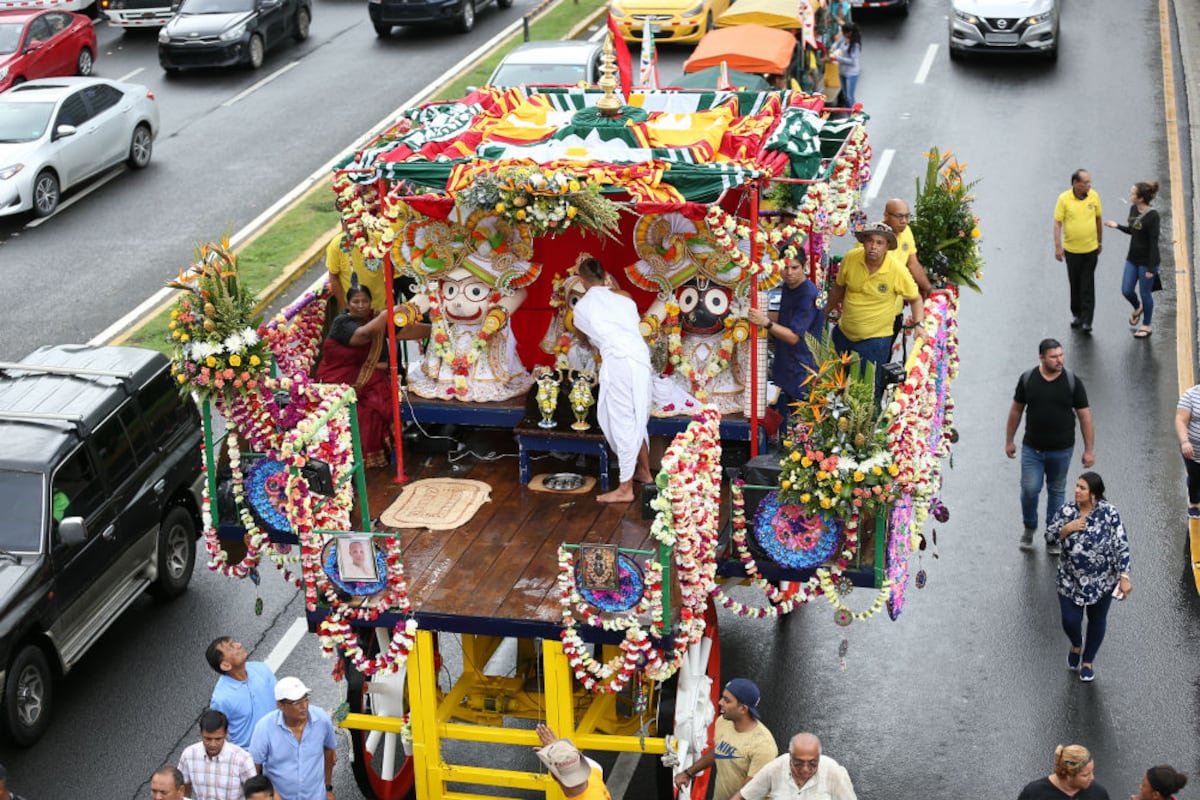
[599,567]
[356,559]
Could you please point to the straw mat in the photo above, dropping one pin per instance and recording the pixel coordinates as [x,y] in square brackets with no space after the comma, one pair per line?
[439,504]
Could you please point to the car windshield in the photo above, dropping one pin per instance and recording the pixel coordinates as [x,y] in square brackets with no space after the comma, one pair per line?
[21,494]
[216,6]
[525,74]
[10,37]
[24,122]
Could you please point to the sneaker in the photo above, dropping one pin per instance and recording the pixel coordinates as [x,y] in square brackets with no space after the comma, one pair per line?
[1075,322]
[1073,661]
[1193,512]
[1053,549]
[1087,674]
[1086,327]
[1027,539]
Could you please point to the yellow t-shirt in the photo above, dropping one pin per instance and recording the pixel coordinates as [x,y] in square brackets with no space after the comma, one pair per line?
[343,265]
[870,304]
[596,790]
[1078,218]
[906,246]
[739,756]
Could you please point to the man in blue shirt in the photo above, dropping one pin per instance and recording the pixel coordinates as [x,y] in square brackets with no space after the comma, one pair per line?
[245,692]
[798,315]
[295,745]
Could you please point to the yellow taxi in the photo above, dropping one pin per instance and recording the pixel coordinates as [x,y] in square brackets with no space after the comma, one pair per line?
[670,20]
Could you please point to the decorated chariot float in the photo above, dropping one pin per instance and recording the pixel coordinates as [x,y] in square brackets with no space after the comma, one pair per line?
[690,198]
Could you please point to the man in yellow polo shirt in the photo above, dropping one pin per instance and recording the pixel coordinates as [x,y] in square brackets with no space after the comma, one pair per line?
[1078,233]
[868,283]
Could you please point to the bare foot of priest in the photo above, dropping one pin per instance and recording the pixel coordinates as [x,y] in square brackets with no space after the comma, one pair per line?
[621,494]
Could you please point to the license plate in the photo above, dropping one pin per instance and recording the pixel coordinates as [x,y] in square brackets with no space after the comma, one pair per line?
[1001,38]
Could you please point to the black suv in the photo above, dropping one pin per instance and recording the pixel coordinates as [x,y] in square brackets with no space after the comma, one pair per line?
[100,473]
[385,14]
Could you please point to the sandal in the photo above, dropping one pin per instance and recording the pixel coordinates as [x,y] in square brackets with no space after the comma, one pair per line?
[1136,316]
[1142,333]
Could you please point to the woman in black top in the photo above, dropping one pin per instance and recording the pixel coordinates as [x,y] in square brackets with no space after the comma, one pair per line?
[1141,264]
[1160,783]
[1074,777]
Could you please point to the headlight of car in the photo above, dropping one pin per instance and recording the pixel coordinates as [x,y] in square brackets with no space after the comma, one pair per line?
[236,32]
[965,17]
[1036,18]
[694,11]
[8,172]
[3,73]
[163,36]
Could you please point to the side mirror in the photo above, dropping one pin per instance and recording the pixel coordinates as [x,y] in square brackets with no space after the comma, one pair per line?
[33,46]
[63,131]
[72,531]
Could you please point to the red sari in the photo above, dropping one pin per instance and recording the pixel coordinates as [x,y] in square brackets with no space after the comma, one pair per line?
[356,366]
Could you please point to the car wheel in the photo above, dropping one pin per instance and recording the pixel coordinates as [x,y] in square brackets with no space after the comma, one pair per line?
[708,22]
[140,147]
[28,692]
[46,193]
[903,9]
[176,554]
[504,3]
[466,17]
[382,29]
[303,21]
[955,55]
[85,62]
[17,81]
[255,52]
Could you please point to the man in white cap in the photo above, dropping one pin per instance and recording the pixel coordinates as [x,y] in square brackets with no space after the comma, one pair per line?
[742,745]
[295,745]
[579,776]
[868,282]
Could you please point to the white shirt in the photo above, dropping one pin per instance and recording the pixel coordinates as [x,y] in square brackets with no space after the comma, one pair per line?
[610,321]
[831,782]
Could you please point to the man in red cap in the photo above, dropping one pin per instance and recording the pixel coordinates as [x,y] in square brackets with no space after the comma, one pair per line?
[742,745]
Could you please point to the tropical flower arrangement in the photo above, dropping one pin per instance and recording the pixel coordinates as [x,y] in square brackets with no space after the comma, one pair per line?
[546,202]
[215,345]
[837,459]
[945,229]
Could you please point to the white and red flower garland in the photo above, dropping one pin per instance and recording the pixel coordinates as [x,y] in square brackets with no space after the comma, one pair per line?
[442,344]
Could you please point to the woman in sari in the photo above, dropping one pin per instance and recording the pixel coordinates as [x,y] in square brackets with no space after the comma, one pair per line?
[354,354]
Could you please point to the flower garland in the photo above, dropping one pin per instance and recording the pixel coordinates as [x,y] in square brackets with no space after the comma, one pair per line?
[442,344]
[736,330]
[294,335]
[546,201]
[255,537]
[371,224]
[337,634]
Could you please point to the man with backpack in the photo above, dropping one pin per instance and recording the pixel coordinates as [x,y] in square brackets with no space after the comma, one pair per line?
[1049,396]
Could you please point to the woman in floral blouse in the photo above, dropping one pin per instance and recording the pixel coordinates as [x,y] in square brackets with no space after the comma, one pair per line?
[1092,570]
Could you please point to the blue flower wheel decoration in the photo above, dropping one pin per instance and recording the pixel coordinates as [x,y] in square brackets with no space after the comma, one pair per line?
[792,538]
[633,585]
[266,494]
[329,560]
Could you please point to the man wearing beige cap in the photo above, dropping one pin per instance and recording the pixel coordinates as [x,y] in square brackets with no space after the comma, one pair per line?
[295,745]
[579,777]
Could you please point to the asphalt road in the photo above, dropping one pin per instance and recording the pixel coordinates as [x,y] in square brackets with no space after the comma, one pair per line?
[221,158]
[966,695]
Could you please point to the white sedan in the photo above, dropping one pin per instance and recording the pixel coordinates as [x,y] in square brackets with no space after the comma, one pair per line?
[58,132]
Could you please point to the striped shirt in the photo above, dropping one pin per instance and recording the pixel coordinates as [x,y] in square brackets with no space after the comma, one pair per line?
[219,778]
[1191,401]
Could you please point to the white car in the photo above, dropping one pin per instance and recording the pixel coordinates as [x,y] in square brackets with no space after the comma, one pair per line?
[57,132]
[550,63]
[1004,26]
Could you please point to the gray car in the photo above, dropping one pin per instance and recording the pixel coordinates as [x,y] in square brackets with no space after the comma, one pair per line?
[550,63]
[1004,26]
[57,132]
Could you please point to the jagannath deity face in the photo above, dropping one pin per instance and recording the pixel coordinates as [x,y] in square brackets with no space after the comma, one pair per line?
[464,297]
[703,306]
[573,290]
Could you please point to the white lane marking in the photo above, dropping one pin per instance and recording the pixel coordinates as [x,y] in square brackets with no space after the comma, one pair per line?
[256,86]
[287,644]
[600,34]
[75,199]
[926,64]
[129,75]
[622,775]
[321,174]
[877,176]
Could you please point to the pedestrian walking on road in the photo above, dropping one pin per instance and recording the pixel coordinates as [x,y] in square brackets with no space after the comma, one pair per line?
[1074,776]
[295,745]
[1141,264]
[1092,570]
[1160,783]
[245,692]
[5,792]
[1051,398]
[213,768]
[1187,429]
[742,744]
[846,50]
[167,784]
[802,772]
[1078,239]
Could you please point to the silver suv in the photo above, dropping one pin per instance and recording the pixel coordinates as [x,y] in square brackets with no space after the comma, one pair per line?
[1004,26]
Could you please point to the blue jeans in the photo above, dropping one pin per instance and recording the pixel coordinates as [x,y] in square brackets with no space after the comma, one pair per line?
[1135,275]
[1043,465]
[1097,617]
[877,351]
[849,84]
